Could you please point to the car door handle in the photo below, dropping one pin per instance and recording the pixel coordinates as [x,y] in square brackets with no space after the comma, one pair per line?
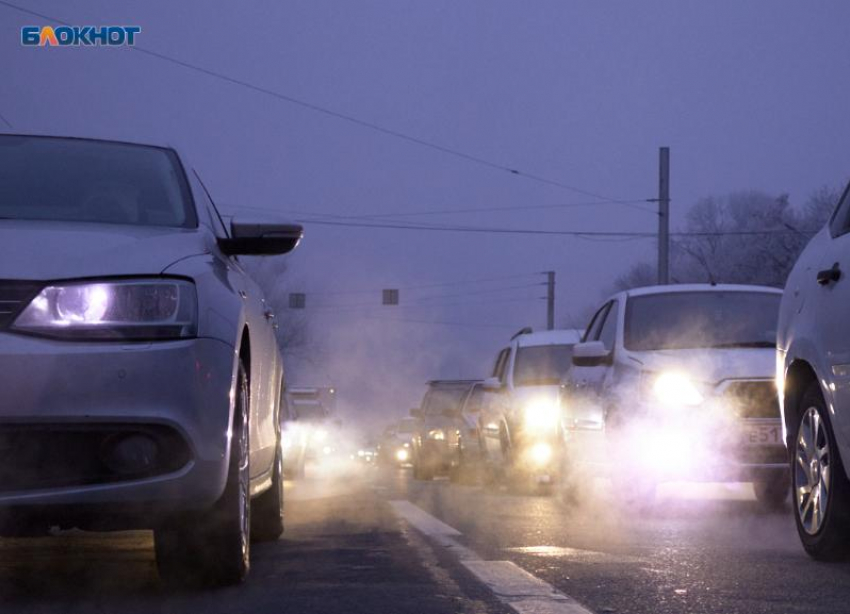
[828,276]
[269,315]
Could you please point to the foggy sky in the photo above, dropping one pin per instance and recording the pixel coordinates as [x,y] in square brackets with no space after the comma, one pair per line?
[747,96]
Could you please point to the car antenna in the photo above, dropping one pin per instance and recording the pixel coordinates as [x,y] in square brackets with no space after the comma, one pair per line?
[523,331]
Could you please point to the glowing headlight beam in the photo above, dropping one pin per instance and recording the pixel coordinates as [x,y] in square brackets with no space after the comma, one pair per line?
[541,414]
[676,389]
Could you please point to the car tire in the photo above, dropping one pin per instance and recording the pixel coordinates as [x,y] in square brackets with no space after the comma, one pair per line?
[213,548]
[772,493]
[825,538]
[267,508]
[420,472]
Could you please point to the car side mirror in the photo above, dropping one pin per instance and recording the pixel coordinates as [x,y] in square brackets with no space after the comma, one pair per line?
[492,384]
[249,238]
[590,354]
[416,412]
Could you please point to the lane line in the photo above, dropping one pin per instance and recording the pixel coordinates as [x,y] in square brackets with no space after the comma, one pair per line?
[524,592]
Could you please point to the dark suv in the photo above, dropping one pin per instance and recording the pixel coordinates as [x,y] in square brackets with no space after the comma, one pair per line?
[435,442]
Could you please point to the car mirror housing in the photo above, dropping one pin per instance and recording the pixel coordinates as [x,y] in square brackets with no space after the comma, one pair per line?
[248,238]
[590,354]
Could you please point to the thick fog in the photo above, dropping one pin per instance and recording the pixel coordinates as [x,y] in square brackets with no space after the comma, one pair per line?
[575,96]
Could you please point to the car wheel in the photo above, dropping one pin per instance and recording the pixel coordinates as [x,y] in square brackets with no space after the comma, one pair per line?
[820,485]
[267,509]
[213,547]
[420,471]
[772,493]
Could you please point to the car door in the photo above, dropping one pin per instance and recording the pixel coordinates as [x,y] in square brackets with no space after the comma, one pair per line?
[586,386]
[828,290]
[492,412]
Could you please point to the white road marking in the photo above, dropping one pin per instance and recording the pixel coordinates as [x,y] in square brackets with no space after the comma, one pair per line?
[586,556]
[422,520]
[525,593]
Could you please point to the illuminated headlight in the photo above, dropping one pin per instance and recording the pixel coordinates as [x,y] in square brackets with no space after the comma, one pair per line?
[135,309]
[437,434]
[320,435]
[401,455]
[541,414]
[406,444]
[673,389]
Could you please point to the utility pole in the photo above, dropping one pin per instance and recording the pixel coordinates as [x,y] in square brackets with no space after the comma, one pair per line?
[664,215]
[550,300]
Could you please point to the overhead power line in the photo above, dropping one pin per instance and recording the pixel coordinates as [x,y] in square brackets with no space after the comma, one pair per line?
[345,116]
[542,231]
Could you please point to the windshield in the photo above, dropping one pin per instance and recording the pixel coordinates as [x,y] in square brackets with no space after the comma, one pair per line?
[685,320]
[441,400]
[542,365]
[76,180]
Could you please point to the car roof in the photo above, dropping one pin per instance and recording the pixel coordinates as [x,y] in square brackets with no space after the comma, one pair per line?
[565,336]
[679,288]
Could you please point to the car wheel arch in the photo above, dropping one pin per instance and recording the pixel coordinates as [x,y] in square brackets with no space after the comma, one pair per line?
[799,376]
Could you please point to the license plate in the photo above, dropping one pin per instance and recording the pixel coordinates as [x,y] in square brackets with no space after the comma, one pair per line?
[763,434]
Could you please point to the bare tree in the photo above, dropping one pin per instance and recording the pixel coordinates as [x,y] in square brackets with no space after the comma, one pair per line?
[745,237]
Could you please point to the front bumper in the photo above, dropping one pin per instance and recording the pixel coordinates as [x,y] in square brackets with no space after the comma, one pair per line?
[182,388]
[677,452]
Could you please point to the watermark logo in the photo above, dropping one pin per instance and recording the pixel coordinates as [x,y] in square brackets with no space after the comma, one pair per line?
[79,36]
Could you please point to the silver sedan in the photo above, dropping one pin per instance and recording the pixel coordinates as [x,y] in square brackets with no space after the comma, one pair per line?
[140,378]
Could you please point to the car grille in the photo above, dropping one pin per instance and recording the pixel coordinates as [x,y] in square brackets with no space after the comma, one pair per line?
[753,399]
[14,296]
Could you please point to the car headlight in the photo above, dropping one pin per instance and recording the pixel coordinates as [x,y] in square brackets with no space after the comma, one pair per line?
[541,414]
[123,310]
[438,434]
[674,388]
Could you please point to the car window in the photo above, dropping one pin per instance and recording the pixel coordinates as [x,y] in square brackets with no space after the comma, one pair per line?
[682,320]
[440,400]
[474,400]
[840,222]
[608,333]
[593,328]
[79,180]
[542,365]
[501,362]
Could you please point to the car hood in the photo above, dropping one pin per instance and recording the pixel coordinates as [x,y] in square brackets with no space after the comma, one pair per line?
[712,365]
[35,250]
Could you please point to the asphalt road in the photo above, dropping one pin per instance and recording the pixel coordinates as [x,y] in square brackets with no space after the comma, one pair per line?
[351,547]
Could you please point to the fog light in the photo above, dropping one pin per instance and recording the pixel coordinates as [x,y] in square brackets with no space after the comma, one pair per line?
[541,453]
[401,455]
[131,454]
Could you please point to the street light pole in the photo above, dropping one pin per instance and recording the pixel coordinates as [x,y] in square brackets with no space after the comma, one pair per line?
[664,215]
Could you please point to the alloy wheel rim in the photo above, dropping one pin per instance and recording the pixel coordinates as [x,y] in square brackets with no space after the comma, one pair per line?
[244,511]
[812,471]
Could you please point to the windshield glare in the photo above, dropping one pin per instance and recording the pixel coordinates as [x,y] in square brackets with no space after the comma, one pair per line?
[686,320]
[77,180]
[542,365]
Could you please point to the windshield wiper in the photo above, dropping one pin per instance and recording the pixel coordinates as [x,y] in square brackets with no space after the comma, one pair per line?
[745,344]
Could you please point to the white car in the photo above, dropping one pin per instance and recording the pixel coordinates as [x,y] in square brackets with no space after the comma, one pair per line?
[677,383]
[139,366]
[520,428]
[813,374]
